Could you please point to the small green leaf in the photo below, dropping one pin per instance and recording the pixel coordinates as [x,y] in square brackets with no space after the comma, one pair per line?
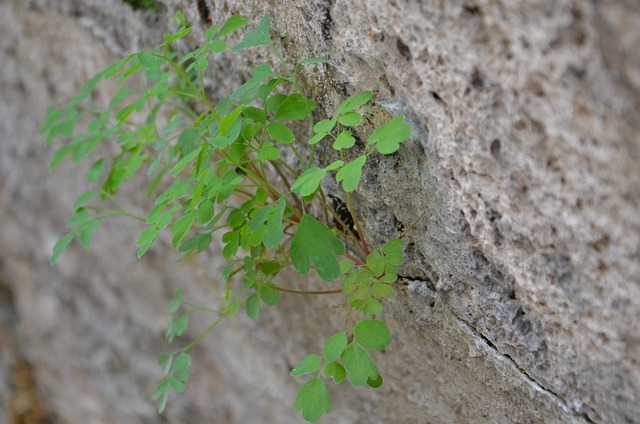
[176,302]
[359,365]
[381,290]
[310,364]
[308,182]
[314,242]
[160,389]
[388,137]
[335,371]
[267,151]
[350,119]
[317,138]
[233,23]
[351,173]
[269,295]
[87,230]
[313,400]
[182,32]
[280,133]
[372,334]
[274,232]
[354,102]
[295,107]
[375,263]
[344,140]
[256,114]
[258,37]
[217,46]
[181,366]
[253,305]
[177,385]
[180,228]
[325,126]
[335,345]
[372,307]
[178,167]
[83,199]
[95,172]
[205,212]
[62,245]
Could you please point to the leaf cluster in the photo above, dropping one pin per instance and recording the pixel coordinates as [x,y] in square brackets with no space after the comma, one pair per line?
[222,169]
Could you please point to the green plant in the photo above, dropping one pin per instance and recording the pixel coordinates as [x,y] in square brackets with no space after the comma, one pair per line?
[222,168]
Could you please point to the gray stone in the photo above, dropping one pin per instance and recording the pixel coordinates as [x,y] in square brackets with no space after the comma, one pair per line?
[520,298]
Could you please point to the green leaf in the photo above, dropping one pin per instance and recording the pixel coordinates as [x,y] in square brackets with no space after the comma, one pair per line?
[310,364]
[372,334]
[232,240]
[253,305]
[267,151]
[350,119]
[314,242]
[178,167]
[205,212]
[62,245]
[176,302]
[325,126]
[393,251]
[258,37]
[233,23]
[388,137]
[335,371]
[95,172]
[295,107]
[180,228]
[160,389]
[181,366]
[269,295]
[344,141]
[351,173]
[217,46]
[335,345]
[177,385]
[211,32]
[381,290]
[308,182]
[249,89]
[354,102]
[359,365]
[86,232]
[274,232]
[375,263]
[256,114]
[83,199]
[313,400]
[182,32]
[372,307]
[280,133]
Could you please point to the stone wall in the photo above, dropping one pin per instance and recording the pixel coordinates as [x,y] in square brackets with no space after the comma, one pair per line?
[520,299]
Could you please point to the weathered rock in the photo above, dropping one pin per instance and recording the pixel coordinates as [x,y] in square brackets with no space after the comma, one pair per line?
[520,298]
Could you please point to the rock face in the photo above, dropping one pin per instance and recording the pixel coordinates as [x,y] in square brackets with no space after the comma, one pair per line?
[520,298]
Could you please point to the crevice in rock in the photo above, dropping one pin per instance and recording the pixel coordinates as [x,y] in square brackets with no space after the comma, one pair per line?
[464,324]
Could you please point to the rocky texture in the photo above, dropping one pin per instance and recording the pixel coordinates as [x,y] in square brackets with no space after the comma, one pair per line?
[520,299]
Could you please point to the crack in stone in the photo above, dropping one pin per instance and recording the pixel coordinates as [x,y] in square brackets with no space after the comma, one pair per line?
[466,326]
[531,380]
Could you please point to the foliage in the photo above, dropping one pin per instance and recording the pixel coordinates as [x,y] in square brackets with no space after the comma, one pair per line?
[224,168]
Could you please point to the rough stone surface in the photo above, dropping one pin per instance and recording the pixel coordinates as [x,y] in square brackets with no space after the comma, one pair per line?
[520,299]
